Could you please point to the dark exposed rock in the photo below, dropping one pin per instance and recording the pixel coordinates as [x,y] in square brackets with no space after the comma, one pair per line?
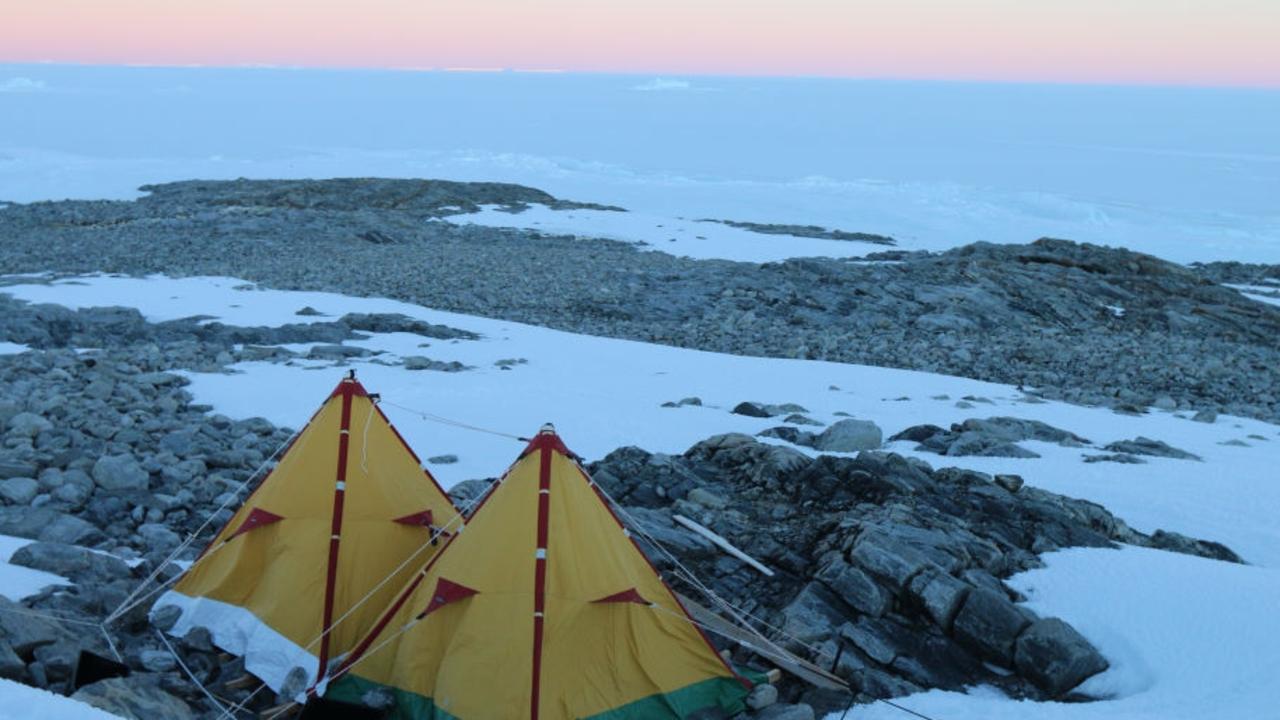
[989,624]
[1123,458]
[137,697]
[751,409]
[1166,540]
[1147,446]
[1056,657]
[77,563]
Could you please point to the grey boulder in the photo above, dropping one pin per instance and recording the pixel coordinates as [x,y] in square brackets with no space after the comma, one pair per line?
[850,436]
[989,625]
[1056,657]
[19,490]
[137,697]
[120,472]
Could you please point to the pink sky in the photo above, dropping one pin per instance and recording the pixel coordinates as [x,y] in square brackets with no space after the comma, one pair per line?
[1188,42]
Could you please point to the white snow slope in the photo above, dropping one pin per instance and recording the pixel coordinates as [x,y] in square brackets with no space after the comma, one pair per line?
[1187,174]
[17,582]
[1186,637]
[23,702]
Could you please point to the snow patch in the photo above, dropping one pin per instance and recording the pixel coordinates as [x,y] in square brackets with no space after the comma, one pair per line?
[22,702]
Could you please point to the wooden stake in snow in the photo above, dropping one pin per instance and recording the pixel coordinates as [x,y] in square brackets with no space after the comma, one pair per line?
[723,544]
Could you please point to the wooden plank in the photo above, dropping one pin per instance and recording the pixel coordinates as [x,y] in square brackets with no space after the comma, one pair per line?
[787,662]
[243,682]
[723,544]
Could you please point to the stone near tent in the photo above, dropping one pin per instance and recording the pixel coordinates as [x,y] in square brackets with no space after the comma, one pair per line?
[1205,416]
[137,697]
[25,632]
[786,712]
[58,658]
[120,472]
[157,660]
[706,498]
[850,436]
[295,683]
[1056,657]
[11,666]
[19,490]
[43,523]
[11,468]
[940,594]
[762,696]
[166,617]
[79,564]
[888,559]
[989,625]
[856,588]
[26,424]
[158,537]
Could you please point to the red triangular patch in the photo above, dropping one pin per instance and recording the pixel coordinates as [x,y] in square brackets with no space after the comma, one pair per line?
[626,596]
[446,592]
[257,518]
[422,519]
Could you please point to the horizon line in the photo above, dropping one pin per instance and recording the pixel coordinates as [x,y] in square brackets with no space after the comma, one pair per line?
[462,70]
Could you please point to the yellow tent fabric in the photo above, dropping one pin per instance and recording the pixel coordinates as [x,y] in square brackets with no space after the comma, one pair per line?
[347,504]
[542,608]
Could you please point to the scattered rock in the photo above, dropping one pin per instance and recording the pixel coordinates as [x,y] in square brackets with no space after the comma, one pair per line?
[1124,458]
[1205,416]
[120,472]
[157,661]
[18,490]
[850,436]
[1056,657]
[786,712]
[1012,483]
[989,624]
[751,409]
[1146,446]
[417,362]
[137,697]
[27,424]
[71,561]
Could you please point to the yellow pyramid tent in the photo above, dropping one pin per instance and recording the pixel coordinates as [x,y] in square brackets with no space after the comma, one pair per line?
[544,608]
[325,541]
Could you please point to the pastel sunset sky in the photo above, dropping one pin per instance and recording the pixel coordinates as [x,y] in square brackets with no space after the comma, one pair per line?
[1180,42]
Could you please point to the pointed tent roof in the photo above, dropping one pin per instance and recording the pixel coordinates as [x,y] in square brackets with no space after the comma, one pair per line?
[318,543]
[544,608]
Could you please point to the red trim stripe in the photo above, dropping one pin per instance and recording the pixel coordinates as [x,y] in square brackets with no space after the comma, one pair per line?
[547,447]
[257,518]
[348,388]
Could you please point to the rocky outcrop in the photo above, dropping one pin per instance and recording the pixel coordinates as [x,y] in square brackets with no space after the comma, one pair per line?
[887,569]
[1075,321]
